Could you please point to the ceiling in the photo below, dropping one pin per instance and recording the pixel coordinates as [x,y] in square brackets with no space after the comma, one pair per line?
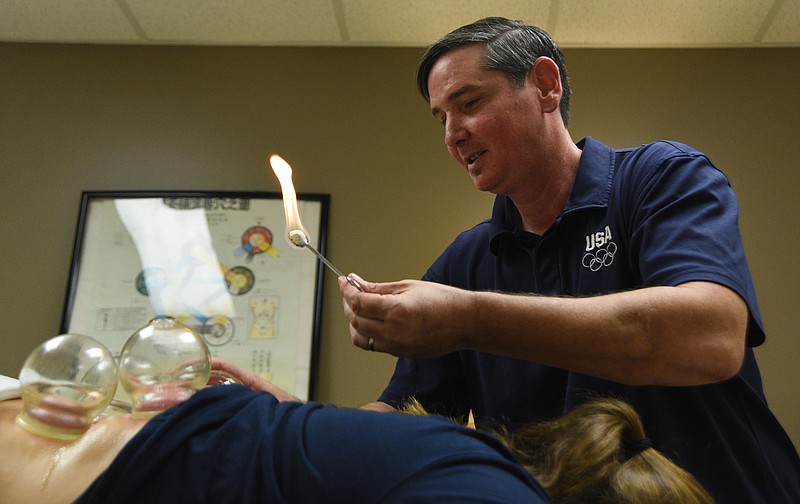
[399,23]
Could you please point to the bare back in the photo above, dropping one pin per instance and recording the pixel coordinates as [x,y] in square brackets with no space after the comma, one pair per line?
[42,470]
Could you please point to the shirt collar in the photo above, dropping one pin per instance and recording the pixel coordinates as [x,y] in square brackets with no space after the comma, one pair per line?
[595,173]
[591,188]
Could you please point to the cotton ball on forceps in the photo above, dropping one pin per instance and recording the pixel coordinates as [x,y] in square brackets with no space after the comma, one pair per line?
[297,238]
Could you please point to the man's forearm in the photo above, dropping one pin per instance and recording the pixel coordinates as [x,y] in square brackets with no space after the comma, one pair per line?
[686,335]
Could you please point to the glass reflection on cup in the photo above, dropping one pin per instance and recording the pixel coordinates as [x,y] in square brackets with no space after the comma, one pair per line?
[65,384]
[162,364]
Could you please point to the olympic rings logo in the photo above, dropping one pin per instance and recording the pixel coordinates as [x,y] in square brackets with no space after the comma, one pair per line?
[599,258]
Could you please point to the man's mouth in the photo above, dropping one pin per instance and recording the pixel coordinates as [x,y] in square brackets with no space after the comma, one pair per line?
[473,157]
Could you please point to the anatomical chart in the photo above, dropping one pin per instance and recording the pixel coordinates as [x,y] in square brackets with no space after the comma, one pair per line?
[218,263]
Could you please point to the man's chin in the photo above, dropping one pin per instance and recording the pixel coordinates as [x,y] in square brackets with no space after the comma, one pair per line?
[481,183]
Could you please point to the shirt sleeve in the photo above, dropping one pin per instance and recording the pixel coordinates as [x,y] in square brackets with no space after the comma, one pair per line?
[684,224]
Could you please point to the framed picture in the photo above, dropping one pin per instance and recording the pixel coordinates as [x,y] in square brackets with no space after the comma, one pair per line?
[217,261]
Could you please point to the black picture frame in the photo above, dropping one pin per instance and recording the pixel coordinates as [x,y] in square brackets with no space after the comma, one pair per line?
[216,261]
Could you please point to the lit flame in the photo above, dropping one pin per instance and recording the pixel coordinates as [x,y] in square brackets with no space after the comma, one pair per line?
[296,234]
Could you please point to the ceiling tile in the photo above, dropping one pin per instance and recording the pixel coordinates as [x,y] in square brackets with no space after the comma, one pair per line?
[238,21]
[405,23]
[665,23]
[57,21]
[422,22]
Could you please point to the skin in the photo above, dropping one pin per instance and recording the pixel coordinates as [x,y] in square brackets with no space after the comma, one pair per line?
[28,458]
[524,151]
[252,380]
[512,141]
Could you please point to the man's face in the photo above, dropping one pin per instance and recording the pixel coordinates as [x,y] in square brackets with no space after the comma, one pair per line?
[491,127]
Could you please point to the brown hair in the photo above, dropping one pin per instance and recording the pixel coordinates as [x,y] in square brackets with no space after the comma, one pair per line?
[598,453]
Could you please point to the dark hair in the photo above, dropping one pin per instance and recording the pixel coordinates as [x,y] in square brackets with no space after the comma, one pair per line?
[510,46]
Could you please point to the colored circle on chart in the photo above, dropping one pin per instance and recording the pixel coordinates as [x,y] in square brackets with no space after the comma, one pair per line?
[217,330]
[256,240]
[239,280]
[150,280]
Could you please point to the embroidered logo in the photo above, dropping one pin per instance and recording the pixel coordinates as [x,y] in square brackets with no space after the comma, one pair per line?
[600,250]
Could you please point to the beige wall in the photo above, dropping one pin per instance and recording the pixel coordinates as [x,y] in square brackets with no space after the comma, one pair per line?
[76,118]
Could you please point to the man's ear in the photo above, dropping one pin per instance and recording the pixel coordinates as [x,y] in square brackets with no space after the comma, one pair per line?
[545,76]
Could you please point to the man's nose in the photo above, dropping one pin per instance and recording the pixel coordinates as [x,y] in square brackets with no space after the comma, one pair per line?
[455,133]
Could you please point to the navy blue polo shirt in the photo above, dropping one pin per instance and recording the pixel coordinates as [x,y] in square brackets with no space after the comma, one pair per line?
[659,214]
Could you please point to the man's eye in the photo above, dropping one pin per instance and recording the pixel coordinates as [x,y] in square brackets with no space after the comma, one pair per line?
[471,104]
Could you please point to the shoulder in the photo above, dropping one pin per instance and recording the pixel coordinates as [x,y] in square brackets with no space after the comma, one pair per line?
[468,247]
[666,164]
[479,232]
[661,149]
[655,155]
[472,240]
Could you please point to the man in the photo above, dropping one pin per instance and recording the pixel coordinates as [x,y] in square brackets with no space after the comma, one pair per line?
[632,264]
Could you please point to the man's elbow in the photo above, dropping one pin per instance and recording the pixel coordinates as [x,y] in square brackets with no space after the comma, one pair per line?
[730,357]
[725,326]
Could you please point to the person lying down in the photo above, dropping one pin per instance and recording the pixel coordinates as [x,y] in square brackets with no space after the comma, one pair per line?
[235,444]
